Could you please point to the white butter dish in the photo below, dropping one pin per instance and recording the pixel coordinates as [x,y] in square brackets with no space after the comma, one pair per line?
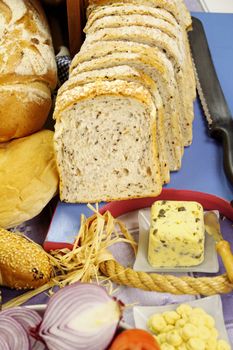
[210,263]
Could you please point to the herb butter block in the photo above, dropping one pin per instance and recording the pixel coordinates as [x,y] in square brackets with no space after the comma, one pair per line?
[177,234]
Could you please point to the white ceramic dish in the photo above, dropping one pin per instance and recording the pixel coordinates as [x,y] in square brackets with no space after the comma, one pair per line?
[210,263]
[212,305]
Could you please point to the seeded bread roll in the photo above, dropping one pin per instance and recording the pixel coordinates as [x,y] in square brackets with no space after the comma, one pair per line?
[151,62]
[23,263]
[28,177]
[114,156]
[27,68]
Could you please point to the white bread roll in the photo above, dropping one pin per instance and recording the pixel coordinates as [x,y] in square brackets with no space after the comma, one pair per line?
[27,68]
[28,177]
[23,263]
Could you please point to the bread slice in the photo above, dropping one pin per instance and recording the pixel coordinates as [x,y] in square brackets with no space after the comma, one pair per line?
[176,7]
[174,32]
[153,37]
[115,16]
[132,75]
[128,9]
[153,63]
[137,19]
[105,142]
[121,9]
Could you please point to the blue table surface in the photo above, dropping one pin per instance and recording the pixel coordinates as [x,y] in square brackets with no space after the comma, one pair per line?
[202,165]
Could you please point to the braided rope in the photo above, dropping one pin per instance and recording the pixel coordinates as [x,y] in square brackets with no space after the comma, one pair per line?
[165,283]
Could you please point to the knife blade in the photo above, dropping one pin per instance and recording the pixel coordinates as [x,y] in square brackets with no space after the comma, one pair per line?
[216,111]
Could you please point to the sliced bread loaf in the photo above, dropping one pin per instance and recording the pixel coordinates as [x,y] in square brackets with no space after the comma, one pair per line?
[174,32]
[132,75]
[153,37]
[132,9]
[157,67]
[176,7]
[128,9]
[105,142]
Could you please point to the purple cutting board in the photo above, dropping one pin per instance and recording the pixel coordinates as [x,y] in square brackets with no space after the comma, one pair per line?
[202,165]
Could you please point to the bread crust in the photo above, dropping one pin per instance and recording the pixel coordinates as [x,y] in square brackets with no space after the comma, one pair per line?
[23,263]
[92,90]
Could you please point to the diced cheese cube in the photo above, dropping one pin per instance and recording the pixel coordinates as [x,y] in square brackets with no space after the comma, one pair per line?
[177,234]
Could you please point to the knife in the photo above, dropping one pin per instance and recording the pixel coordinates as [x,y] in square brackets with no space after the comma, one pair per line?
[223,247]
[212,99]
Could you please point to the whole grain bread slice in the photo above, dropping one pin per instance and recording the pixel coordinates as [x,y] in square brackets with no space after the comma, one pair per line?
[105,142]
[128,9]
[153,37]
[132,75]
[106,16]
[174,32]
[159,13]
[151,62]
[176,7]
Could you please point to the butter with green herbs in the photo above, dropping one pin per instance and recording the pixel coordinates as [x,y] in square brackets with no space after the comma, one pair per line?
[177,234]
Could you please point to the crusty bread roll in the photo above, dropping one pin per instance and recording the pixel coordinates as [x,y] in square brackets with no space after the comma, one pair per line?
[23,263]
[28,177]
[27,68]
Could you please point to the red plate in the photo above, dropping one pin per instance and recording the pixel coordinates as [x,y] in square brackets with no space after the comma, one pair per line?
[118,208]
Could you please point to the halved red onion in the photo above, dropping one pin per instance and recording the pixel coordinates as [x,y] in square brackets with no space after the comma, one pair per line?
[3,344]
[80,316]
[38,345]
[29,319]
[13,334]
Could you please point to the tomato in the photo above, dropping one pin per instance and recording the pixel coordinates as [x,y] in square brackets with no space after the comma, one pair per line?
[134,339]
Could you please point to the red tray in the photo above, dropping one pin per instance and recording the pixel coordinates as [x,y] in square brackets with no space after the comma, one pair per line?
[118,208]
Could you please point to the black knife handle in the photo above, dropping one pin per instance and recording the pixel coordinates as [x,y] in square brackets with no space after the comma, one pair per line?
[225,133]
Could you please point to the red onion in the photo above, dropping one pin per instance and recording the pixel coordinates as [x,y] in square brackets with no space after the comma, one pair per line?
[80,316]
[13,334]
[3,344]
[38,345]
[28,319]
